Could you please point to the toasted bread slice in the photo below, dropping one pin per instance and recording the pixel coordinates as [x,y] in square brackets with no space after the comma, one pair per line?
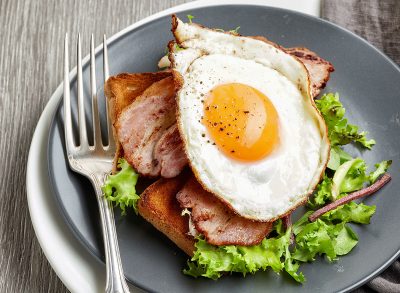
[158,205]
[121,90]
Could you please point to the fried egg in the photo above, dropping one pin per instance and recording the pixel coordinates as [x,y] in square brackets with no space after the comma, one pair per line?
[251,131]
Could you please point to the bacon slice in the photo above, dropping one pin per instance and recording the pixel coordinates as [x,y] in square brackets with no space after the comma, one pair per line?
[318,68]
[169,152]
[121,90]
[216,222]
[124,88]
[143,123]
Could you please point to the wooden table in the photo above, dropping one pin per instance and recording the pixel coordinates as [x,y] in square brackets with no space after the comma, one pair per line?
[31,52]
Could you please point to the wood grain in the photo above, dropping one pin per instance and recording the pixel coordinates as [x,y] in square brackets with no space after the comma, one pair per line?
[31,44]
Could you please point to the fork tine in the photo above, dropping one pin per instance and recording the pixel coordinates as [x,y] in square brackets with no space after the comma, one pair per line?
[81,102]
[95,107]
[69,139]
[111,142]
[105,59]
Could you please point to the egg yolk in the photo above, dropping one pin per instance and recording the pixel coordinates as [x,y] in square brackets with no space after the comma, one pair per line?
[242,121]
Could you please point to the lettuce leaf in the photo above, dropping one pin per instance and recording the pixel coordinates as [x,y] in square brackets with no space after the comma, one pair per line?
[314,239]
[350,212]
[212,261]
[292,266]
[299,225]
[334,159]
[235,31]
[190,18]
[340,132]
[337,157]
[380,169]
[329,235]
[350,176]
[120,188]
[344,239]
[355,177]
[322,194]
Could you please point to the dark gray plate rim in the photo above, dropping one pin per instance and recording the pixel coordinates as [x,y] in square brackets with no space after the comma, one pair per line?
[83,240]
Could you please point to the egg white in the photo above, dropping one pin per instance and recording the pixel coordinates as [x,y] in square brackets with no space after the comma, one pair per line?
[268,188]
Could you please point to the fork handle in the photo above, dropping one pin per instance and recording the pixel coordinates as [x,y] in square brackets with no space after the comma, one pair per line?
[115,282]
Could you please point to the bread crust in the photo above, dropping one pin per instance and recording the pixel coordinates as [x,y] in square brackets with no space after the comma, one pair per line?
[158,206]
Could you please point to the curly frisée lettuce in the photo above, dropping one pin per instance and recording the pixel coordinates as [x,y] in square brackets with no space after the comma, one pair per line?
[213,261]
[337,157]
[349,177]
[329,236]
[340,132]
[120,188]
[381,168]
[322,238]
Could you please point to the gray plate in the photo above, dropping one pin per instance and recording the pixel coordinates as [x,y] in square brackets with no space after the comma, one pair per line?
[368,83]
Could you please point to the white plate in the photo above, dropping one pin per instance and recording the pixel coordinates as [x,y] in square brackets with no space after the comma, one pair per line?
[77,269]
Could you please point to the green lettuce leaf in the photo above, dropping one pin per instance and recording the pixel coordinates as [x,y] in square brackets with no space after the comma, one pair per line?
[235,31]
[354,178]
[350,212]
[314,239]
[381,168]
[300,223]
[292,266]
[337,158]
[344,239]
[334,159]
[340,132]
[350,176]
[323,238]
[212,261]
[322,194]
[190,18]
[120,188]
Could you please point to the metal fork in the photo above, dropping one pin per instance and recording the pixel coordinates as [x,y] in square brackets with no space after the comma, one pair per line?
[94,161]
